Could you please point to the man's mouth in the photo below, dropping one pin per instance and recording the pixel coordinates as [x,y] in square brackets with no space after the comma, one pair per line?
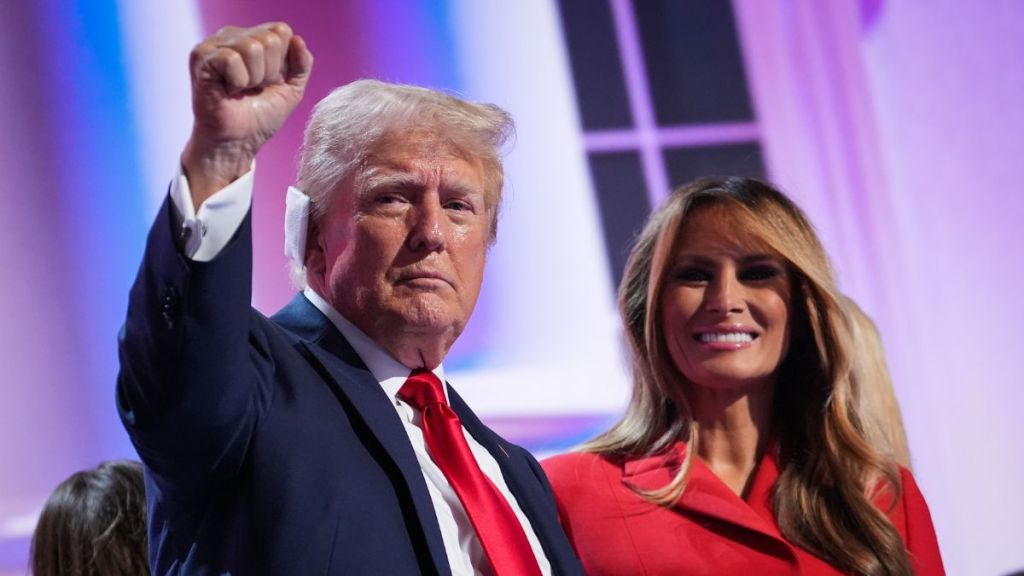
[423,277]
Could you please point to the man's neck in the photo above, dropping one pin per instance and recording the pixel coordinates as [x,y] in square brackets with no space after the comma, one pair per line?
[408,348]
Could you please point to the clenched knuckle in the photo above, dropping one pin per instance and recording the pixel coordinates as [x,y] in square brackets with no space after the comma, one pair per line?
[281,29]
[252,46]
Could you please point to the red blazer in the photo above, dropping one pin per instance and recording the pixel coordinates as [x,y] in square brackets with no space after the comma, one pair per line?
[710,530]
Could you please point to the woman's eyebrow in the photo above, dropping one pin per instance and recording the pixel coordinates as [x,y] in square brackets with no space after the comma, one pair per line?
[689,258]
[703,259]
[759,258]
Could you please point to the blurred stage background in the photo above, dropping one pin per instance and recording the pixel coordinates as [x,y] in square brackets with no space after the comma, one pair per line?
[895,123]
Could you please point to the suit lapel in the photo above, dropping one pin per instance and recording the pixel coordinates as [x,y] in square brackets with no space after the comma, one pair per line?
[481,433]
[518,476]
[705,494]
[350,377]
[486,438]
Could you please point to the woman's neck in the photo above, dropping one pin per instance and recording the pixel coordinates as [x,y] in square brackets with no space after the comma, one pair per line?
[733,430]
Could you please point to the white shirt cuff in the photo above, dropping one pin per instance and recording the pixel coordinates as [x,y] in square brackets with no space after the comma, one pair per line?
[206,233]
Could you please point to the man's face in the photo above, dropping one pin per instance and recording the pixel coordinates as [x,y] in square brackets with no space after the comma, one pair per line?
[404,242]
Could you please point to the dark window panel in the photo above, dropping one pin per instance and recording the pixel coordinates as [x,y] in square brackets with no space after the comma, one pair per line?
[693,61]
[596,65]
[622,198]
[685,164]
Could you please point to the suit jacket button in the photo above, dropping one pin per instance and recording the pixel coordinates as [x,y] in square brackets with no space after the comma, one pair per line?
[169,307]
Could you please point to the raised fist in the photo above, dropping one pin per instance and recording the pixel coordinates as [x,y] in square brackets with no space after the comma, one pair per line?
[245,84]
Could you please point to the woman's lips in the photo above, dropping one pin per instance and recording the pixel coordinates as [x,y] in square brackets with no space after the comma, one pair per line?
[726,338]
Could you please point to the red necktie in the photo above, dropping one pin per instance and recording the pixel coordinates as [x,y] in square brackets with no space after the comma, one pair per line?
[500,532]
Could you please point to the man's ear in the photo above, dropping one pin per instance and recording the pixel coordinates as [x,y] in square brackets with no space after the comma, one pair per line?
[314,256]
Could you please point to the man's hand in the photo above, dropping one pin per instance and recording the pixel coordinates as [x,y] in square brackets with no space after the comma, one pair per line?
[245,84]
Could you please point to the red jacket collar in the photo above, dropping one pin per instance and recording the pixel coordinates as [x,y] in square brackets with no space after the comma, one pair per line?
[705,494]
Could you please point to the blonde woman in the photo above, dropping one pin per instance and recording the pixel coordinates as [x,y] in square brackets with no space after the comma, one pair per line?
[742,450]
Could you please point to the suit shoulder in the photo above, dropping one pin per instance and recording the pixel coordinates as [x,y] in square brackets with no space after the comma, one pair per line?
[894,498]
[914,505]
[917,529]
[907,482]
[575,469]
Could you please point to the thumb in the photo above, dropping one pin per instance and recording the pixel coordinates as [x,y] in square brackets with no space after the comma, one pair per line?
[300,62]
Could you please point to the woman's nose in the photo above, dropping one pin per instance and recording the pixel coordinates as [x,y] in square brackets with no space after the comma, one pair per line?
[724,295]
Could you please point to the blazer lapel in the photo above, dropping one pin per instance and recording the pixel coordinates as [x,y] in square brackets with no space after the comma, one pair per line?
[705,494]
[486,438]
[472,423]
[346,372]
[519,479]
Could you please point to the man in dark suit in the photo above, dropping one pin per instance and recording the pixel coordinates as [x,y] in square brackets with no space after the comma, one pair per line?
[323,440]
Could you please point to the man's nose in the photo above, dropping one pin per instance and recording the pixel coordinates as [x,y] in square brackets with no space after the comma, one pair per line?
[724,295]
[427,227]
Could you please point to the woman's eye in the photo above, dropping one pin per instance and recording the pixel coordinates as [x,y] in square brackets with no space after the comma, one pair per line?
[693,275]
[759,273]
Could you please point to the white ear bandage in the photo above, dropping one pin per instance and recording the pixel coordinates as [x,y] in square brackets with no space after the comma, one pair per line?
[296,225]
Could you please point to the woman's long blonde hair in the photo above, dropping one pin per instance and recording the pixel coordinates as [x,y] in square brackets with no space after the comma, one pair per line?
[829,471]
[876,398]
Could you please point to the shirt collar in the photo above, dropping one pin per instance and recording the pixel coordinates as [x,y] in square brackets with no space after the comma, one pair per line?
[390,373]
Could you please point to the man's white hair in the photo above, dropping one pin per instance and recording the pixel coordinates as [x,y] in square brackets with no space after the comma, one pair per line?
[346,125]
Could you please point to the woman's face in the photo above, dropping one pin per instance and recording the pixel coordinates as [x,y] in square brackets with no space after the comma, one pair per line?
[725,304]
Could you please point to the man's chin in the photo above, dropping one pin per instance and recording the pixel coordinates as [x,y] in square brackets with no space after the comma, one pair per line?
[425,316]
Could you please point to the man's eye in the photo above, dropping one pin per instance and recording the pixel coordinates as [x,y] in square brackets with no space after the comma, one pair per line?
[388,199]
[756,273]
[458,205]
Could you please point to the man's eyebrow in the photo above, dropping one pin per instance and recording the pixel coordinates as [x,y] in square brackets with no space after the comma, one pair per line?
[375,179]
[461,186]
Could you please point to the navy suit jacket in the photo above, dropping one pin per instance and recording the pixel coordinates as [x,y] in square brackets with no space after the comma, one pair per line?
[269,447]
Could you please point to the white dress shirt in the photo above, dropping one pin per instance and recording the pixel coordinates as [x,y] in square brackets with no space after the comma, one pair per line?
[208,231]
